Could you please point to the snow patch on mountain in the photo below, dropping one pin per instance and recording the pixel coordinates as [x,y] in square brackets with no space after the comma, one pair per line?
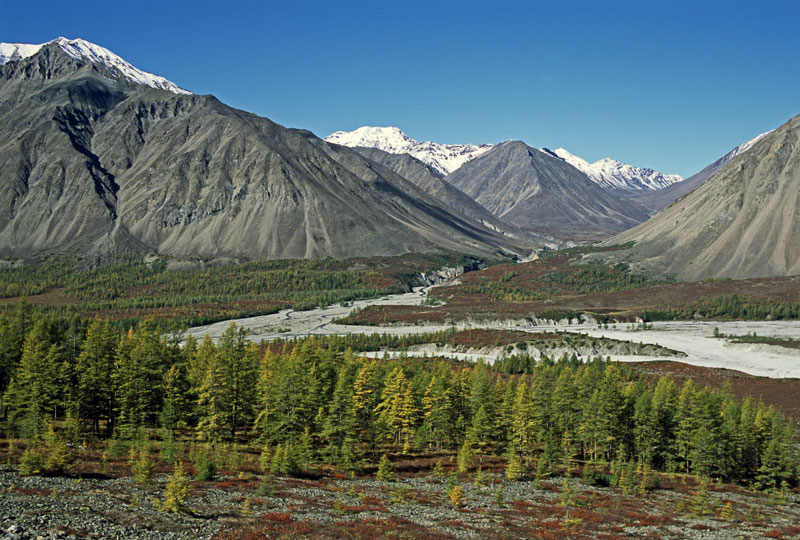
[86,52]
[10,52]
[744,147]
[612,174]
[444,158]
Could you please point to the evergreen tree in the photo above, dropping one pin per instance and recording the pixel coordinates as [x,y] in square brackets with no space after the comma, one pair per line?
[339,426]
[522,431]
[95,374]
[385,469]
[141,361]
[437,411]
[663,420]
[175,389]
[397,409]
[15,325]
[465,456]
[775,467]
[212,406]
[239,365]
[687,423]
[365,399]
[36,391]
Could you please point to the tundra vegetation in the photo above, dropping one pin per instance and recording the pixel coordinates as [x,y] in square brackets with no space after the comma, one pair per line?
[180,293]
[103,396]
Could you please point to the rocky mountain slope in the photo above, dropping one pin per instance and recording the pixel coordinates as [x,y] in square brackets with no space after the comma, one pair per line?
[432,182]
[93,159]
[84,52]
[744,221]
[444,158]
[539,191]
[653,201]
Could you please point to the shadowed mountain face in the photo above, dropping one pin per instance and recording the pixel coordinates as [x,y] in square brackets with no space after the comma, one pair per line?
[433,183]
[98,164]
[742,222]
[540,192]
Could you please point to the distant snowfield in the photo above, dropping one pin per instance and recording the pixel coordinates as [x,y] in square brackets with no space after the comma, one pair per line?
[691,337]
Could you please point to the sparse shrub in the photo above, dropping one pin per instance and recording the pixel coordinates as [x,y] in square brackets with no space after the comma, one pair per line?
[452,481]
[176,491]
[31,462]
[480,478]
[499,496]
[438,470]
[701,502]
[753,514]
[456,495]
[265,489]
[169,449]
[465,457]
[142,465]
[385,470]
[589,474]
[400,495]
[571,522]
[680,507]
[203,463]
[247,507]
[117,447]
[726,512]
[515,468]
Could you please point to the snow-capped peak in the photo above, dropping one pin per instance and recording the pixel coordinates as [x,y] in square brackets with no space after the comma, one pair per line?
[83,51]
[445,158]
[610,173]
[744,147]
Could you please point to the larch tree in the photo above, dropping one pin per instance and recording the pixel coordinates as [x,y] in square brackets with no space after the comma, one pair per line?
[95,374]
[397,409]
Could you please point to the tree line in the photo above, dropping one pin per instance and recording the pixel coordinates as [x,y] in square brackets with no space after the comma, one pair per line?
[314,400]
[730,306]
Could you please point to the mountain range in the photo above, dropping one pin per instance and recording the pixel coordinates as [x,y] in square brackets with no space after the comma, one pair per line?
[99,157]
[612,174]
[607,173]
[444,158]
[540,192]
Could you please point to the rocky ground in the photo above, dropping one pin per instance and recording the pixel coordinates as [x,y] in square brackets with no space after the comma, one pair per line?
[251,506]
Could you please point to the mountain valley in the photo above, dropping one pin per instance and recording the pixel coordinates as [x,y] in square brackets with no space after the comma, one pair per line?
[214,326]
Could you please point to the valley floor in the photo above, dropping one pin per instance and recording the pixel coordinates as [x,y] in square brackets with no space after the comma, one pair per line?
[694,338]
[415,506]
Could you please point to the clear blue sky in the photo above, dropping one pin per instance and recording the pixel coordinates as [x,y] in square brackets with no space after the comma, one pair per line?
[670,84]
